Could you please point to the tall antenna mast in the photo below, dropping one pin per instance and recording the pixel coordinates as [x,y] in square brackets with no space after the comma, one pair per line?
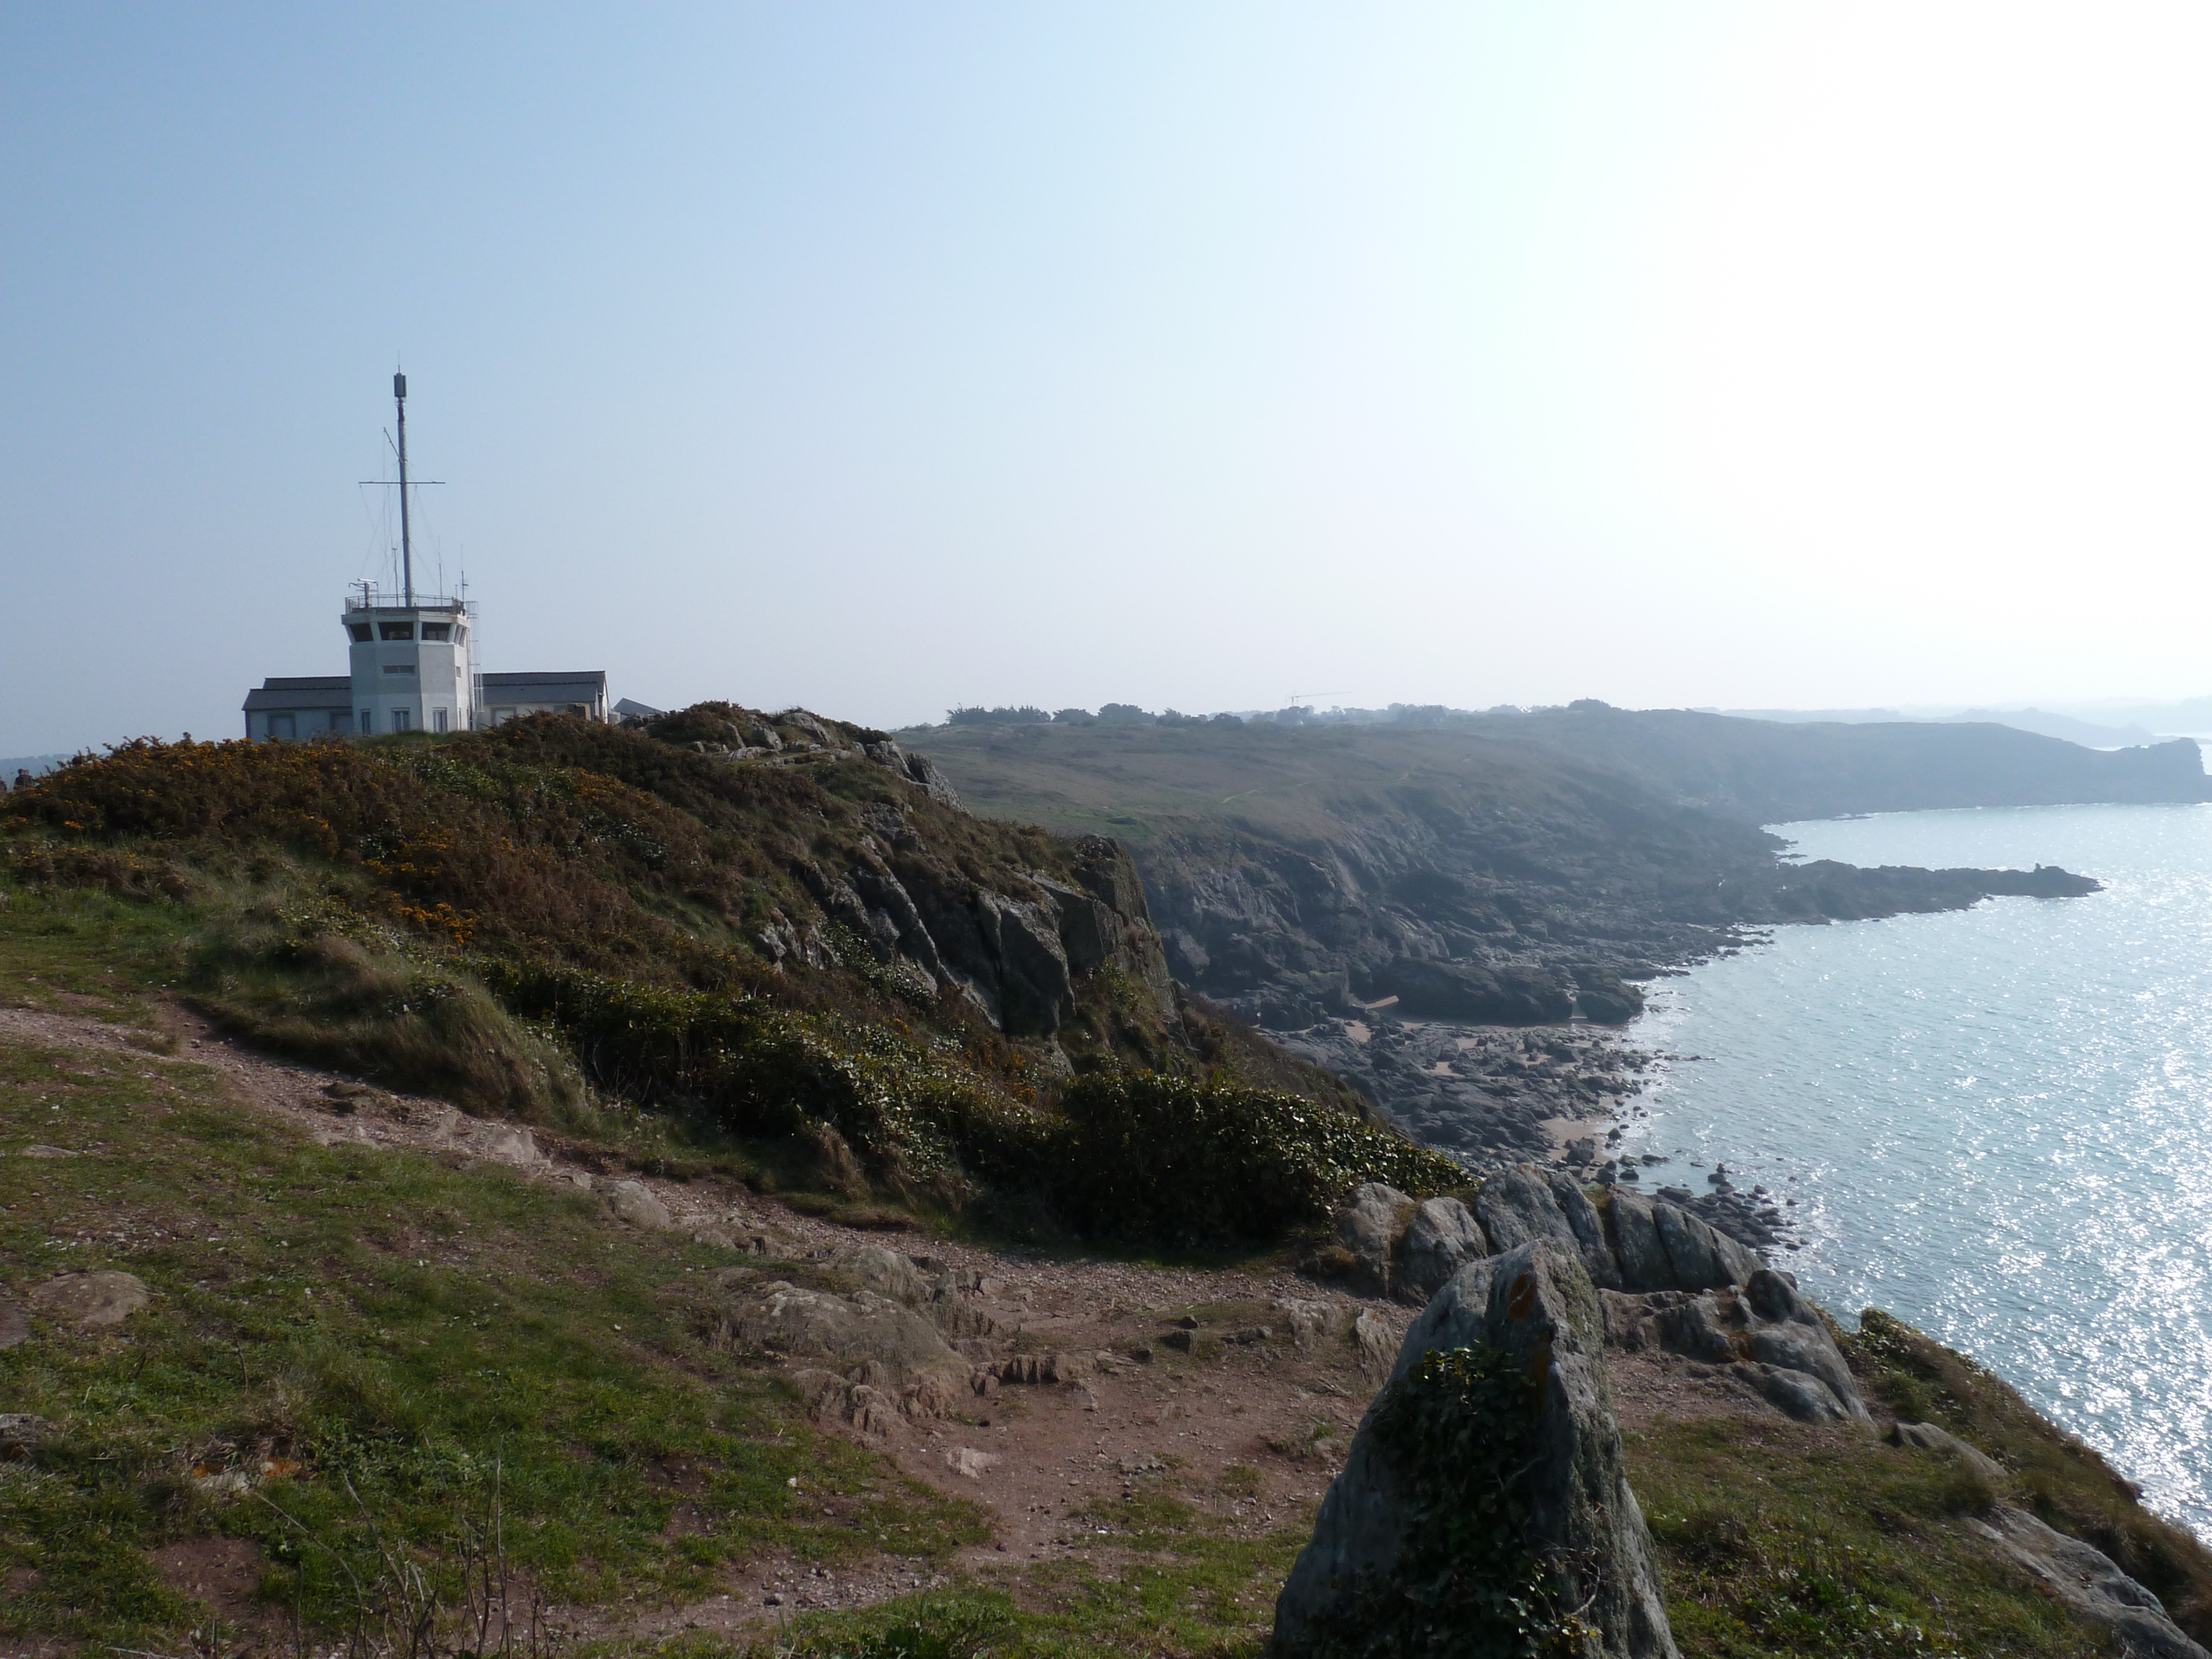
[406,537]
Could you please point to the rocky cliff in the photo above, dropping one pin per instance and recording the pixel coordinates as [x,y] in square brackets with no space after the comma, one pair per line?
[1306,878]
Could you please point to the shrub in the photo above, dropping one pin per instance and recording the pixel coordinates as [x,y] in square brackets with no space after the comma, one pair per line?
[1143,1155]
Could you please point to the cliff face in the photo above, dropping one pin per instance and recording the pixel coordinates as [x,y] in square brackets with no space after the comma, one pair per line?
[1309,879]
[1299,873]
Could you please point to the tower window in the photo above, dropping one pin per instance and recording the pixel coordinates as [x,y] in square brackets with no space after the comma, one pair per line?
[400,720]
[437,631]
[361,632]
[368,721]
[438,718]
[395,630]
[399,668]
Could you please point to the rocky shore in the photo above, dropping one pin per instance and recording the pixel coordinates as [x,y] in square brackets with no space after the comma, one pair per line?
[1393,903]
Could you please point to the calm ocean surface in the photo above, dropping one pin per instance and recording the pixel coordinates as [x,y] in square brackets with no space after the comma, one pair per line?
[1995,1123]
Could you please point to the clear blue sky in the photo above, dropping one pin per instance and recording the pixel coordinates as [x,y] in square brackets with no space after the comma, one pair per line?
[882,357]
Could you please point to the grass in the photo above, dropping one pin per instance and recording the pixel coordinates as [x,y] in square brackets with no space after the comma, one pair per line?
[1174,1581]
[1780,1540]
[2052,1473]
[451,1347]
[421,1353]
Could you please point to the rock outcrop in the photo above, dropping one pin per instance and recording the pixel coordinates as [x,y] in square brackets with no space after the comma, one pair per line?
[1367,1570]
[1017,957]
[880,1362]
[1770,1338]
[1929,1437]
[2090,1583]
[1398,1248]
[891,1340]
[93,1299]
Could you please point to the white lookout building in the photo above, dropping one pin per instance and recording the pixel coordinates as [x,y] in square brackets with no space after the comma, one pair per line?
[413,662]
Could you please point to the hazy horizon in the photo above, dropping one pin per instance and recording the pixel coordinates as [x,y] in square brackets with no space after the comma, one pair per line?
[885,360]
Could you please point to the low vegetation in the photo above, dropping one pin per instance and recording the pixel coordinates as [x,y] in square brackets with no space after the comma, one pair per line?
[536,920]
[371,1376]
[1782,1539]
[2061,1481]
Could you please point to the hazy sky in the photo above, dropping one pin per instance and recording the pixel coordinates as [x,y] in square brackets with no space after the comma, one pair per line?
[882,357]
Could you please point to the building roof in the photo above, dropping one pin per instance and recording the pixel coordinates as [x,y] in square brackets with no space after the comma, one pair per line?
[277,694]
[313,691]
[593,677]
[585,685]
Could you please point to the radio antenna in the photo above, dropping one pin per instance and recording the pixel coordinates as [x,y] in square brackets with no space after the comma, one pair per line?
[406,529]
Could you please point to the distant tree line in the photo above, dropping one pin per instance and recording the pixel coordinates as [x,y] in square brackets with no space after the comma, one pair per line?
[1127,713]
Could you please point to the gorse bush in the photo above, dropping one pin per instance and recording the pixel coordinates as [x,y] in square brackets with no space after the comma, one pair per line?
[1122,1155]
[1148,1155]
[458,842]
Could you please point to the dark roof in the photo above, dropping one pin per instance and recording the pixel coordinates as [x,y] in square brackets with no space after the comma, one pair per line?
[315,691]
[335,690]
[593,677]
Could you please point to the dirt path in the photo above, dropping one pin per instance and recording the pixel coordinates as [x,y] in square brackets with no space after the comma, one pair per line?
[1193,1384]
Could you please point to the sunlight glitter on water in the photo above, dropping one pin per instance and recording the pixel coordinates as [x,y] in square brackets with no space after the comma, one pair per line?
[1993,1122]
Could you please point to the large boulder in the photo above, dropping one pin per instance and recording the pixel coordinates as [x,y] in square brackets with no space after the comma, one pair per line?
[1369,1228]
[1442,1237]
[1770,1338]
[1660,1248]
[1523,1333]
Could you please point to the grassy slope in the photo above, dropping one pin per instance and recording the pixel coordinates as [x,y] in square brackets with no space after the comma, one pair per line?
[376,1316]
[1293,783]
[1787,1539]
[431,911]
[460,1346]
[1298,785]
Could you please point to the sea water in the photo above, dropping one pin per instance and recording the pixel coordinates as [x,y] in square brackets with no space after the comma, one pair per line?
[1995,1123]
